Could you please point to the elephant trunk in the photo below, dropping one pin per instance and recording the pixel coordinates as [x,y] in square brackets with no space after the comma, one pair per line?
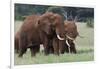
[60,33]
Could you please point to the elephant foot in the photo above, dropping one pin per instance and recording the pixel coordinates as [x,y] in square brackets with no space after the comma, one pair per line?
[22,52]
[46,51]
[33,54]
[73,51]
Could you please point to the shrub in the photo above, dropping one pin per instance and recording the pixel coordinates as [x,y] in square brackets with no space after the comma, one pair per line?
[90,22]
[19,17]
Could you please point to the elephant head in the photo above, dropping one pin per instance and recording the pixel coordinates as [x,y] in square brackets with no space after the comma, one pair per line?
[70,30]
[44,24]
[50,22]
[58,23]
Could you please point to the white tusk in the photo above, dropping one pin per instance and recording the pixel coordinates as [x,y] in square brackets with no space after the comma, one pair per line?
[68,45]
[70,37]
[60,37]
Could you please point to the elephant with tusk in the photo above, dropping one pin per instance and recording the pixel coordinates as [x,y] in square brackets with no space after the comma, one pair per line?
[71,33]
[40,29]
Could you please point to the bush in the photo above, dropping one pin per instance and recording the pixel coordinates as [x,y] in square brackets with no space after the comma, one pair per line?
[90,22]
[19,17]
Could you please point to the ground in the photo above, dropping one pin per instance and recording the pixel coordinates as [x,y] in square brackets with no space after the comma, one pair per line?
[84,46]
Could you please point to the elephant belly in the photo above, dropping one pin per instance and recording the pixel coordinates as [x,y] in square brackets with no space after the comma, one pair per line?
[33,38]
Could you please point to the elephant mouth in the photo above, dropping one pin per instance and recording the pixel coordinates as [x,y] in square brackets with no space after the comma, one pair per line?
[60,38]
[70,37]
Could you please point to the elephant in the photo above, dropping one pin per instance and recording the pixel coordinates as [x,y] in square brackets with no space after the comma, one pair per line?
[40,29]
[33,49]
[71,33]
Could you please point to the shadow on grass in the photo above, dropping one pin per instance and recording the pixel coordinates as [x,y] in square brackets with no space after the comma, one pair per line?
[85,51]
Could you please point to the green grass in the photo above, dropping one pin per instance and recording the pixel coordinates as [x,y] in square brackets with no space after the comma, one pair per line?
[84,46]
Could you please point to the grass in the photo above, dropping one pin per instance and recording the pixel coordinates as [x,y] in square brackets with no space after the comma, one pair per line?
[84,46]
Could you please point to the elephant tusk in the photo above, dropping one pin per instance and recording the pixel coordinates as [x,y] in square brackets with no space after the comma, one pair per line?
[70,37]
[68,45]
[60,37]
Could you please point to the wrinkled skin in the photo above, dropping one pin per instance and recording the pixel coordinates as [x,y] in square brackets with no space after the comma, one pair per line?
[38,30]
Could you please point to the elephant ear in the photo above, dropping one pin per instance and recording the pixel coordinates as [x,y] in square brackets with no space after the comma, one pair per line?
[39,19]
[37,22]
[57,22]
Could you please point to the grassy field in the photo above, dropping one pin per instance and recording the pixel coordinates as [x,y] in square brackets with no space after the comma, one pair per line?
[84,46]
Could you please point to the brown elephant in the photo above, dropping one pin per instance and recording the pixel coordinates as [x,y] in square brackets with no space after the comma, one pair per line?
[68,45]
[34,49]
[40,29]
[71,34]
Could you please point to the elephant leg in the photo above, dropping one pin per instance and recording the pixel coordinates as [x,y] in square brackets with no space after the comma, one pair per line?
[34,49]
[51,50]
[22,44]
[38,49]
[33,53]
[73,49]
[46,47]
[16,45]
[61,46]
[56,46]
[22,51]
[66,48]
[46,50]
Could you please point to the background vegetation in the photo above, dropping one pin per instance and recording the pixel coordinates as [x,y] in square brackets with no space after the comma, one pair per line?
[83,14]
